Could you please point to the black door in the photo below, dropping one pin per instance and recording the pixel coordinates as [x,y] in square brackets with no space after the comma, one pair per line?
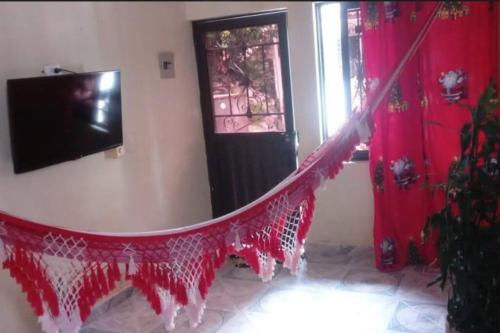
[244,77]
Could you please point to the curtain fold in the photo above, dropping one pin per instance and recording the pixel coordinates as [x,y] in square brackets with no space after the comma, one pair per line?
[417,126]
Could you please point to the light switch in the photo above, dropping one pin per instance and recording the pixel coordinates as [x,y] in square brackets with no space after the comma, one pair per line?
[167,65]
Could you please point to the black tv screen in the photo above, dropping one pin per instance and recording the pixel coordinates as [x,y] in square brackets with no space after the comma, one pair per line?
[63,117]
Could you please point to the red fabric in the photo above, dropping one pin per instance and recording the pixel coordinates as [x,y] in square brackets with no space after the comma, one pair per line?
[417,126]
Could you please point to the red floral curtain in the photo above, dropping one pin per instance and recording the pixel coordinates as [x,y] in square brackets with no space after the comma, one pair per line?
[417,126]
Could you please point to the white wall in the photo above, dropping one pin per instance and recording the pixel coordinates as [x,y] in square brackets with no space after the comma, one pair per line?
[162,180]
[344,211]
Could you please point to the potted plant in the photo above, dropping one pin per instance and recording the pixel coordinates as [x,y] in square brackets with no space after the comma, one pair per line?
[468,226]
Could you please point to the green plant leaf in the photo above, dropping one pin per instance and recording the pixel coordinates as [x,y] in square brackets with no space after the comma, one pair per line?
[468,226]
[465,136]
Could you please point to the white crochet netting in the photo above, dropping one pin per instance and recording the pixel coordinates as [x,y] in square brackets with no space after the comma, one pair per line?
[64,263]
[187,261]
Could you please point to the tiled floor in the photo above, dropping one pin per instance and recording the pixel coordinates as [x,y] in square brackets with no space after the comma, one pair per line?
[339,291]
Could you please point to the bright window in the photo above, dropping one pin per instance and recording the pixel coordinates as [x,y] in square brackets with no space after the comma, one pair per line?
[338,31]
[333,101]
[340,60]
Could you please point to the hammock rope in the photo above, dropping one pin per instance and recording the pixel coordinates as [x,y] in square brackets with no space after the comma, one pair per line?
[65,272]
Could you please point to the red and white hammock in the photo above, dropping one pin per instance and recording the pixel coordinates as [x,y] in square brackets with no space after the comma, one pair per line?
[65,272]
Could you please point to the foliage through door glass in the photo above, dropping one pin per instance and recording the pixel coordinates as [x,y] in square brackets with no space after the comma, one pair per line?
[245,78]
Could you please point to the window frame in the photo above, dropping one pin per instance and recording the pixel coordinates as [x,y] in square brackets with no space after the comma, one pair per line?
[359,154]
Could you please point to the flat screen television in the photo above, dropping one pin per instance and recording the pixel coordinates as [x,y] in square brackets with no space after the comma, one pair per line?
[60,118]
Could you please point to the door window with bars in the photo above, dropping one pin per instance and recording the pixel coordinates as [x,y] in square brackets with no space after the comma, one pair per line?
[244,68]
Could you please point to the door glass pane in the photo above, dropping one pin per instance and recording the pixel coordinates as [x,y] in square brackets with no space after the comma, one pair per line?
[244,68]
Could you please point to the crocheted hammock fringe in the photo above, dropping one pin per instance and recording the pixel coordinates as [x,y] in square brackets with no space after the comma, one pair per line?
[64,272]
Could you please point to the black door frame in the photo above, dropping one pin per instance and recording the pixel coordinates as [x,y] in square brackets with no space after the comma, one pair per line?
[200,27]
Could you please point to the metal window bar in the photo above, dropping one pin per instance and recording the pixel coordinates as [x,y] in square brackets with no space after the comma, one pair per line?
[245,47]
[239,46]
[264,72]
[253,115]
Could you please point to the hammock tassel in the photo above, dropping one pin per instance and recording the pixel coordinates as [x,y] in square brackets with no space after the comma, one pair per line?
[266,270]
[180,293]
[292,259]
[72,323]
[132,266]
[169,309]
[202,286]
[3,252]
[47,322]
[103,282]
[237,242]
[195,307]
[321,180]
